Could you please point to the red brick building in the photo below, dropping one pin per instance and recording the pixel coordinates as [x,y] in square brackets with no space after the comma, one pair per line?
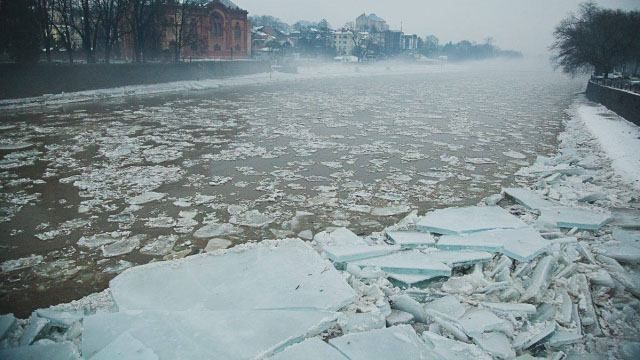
[217,30]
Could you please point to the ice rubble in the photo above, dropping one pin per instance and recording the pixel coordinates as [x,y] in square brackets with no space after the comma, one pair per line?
[476,282]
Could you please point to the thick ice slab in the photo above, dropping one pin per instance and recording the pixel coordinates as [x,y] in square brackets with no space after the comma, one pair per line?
[283,274]
[398,342]
[7,322]
[310,349]
[127,347]
[410,279]
[528,198]
[458,258]
[569,217]
[340,236]
[54,351]
[452,221]
[520,244]
[451,349]
[410,239]
[412,262]
[343,253]
[203,334]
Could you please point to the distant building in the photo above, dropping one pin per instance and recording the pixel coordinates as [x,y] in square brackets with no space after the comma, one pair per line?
[343,42]
[217,30]
[371,23]
[392,42]
[409,42]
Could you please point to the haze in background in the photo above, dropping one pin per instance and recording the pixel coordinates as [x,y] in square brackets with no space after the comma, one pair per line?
[523,25]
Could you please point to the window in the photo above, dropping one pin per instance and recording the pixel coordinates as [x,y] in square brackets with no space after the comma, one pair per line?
[217,47]
[216,24]
[237,31]
[237,47]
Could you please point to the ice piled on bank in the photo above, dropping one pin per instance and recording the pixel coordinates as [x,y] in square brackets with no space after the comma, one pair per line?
[310,349]
[286,274]
[49,351]
[570,217]
[468,219]
[201,334]
[398,342]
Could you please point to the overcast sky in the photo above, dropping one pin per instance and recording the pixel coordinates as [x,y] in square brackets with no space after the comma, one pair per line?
[525,25]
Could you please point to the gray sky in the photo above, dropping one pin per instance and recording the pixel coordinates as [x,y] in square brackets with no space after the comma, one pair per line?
[525,25]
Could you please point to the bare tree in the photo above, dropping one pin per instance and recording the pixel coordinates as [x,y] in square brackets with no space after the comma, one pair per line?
[110,16]
[45,10]
[183,24]
[65,13]
[142,19]
[87,28]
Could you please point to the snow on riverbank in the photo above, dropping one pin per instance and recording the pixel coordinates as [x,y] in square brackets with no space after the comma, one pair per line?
[618,138]
[324,71]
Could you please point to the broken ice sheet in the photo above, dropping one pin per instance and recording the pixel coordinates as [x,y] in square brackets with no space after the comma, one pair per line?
[528,198]
[49,351]
[217,229]
[145,198]
[398,342]
[209,334]
[22,263]
[451,349]
[343,253]
[411,262]
[310,349]
[522,244]
[410,239]
[122,247]
[285,274]
[162,245]
[252,218]
[570,217]
[461,220]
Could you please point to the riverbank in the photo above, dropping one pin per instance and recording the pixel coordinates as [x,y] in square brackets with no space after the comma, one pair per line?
[578,296]
[305,72]
[623,102]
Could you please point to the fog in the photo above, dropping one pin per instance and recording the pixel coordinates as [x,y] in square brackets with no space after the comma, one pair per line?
[514,24]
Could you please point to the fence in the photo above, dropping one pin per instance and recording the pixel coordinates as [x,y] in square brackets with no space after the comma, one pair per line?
[624,103]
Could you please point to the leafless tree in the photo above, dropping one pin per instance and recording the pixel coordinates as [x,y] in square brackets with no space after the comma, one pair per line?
[143,21]
[183,24]
[64,25]
[110,17]
[45,10]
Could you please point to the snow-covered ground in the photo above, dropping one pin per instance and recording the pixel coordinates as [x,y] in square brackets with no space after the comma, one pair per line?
[618,138]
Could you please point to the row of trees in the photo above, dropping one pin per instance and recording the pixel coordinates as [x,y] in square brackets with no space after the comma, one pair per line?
[597,39]
[29,28]
[465,50]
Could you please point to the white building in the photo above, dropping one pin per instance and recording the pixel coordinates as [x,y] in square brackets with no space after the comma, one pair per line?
[343,42]
[409,42]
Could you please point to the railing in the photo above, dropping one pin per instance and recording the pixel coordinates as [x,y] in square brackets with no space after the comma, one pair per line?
[618,83]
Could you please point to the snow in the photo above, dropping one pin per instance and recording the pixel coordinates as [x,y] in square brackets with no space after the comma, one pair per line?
[618,138]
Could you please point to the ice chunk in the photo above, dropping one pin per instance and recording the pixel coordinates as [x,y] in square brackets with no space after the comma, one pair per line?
[22,263]
[252,218]
[411,262]
[458,258]
[310,349]
[145,198]
[520,244]
[625,253]
[32,330]
[454,221]
[98,240]
[390,210]
[282,274]
[357,322]
[540,279]
[514,154]
[398,342]
[216,229]
[7,323]
[398,317]
[477,321]
[60,318]
[51,351]
[127,347]
[534,335]
[410,239]
[626,218]
[407,304]
[162,245]
[569,217]
[626,236]
[496,344]
[564,337]
[510,308]
[205,334]
[217,244]
[410,279]
[447,304]
[452,349]
[339,236]
[121,247]
[343,253]
[528,198]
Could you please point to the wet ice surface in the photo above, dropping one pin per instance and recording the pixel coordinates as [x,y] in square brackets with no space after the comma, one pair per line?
[94,189]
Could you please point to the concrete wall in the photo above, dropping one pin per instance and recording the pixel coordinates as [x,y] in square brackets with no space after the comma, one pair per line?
[17,81]
[623,103]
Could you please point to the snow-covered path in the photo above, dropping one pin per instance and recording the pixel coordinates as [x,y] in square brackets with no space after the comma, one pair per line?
[618,138]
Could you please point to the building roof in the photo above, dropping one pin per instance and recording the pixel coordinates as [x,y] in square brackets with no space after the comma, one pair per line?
[229,4]
[375,17]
